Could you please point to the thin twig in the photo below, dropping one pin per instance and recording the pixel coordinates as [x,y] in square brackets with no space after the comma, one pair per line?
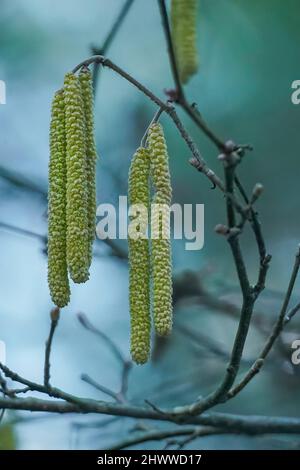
[280,323]
[256,227]
[109,39]
[291,313]
[127,366]
[235,423]
[191,110]
[168,108]
[20,182]
[179,93]
[161,434]
[23,231]
[85,322]
[86,378]
[155,119]
[54,322]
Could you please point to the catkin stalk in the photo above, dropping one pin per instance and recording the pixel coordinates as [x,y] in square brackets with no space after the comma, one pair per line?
[57,264]
[77,221]
[85,78]
[183,25]
[160,259]
[139,267]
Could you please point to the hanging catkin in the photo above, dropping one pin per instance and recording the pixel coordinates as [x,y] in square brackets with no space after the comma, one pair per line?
[139,275]
[57,263]
[85,78]
[183,24]
[77,220]
[160,259]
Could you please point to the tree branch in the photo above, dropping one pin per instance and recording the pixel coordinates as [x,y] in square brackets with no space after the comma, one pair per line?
[54,322]
[179,93]
[283,319]
[236,423]
[180,98]
[109,39]
[167,108]
[161,434]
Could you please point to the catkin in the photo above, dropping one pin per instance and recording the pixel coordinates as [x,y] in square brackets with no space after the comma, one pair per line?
[77,220]
[183,25]
[57,264]
[160,258]
[139,267]
[85,78]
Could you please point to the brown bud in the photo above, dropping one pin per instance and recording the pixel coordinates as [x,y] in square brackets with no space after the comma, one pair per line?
[54,314]
[257,190]
[221,229]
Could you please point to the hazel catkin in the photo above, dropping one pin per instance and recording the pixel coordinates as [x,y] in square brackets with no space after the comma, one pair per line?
[183,25]
[139,267]
[160,258]
[57,264]
[85,78]
[77,221]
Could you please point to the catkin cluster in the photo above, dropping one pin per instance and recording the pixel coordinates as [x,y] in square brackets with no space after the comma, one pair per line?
[139,259]
[72,189]
[150,263]
[161,264]
[57,227]
[183,24]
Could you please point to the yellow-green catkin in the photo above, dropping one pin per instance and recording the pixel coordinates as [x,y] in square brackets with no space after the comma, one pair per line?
[139,261]
[57,263]
[77,221]
[160,259]
[183,25]
[85,78]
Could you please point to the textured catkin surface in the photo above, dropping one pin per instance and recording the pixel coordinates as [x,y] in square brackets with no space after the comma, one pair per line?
[77,221]
[139,267]
[85,78]
[183,25]
[57,229]
[161,262]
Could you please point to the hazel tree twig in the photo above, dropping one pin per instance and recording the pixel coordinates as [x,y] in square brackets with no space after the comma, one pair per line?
[161,434]
[109,39]
[282,320]
[54,315]
[168,108]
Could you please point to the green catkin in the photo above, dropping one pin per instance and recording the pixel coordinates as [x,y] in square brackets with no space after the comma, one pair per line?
[160,258]
[139,262]
[85,78]
[183,25]
[57,264]
[77,220]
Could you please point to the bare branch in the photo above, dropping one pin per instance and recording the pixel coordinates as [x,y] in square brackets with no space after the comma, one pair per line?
[54,322]
[109,39]
[283,319]
[191,110]
[86,378]
[179,93]
[85,322]
[236,423]
[23,231]
[20,182]
[168,108]
[161,434]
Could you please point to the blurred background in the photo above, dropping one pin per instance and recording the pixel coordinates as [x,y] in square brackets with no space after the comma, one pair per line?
[249,56]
